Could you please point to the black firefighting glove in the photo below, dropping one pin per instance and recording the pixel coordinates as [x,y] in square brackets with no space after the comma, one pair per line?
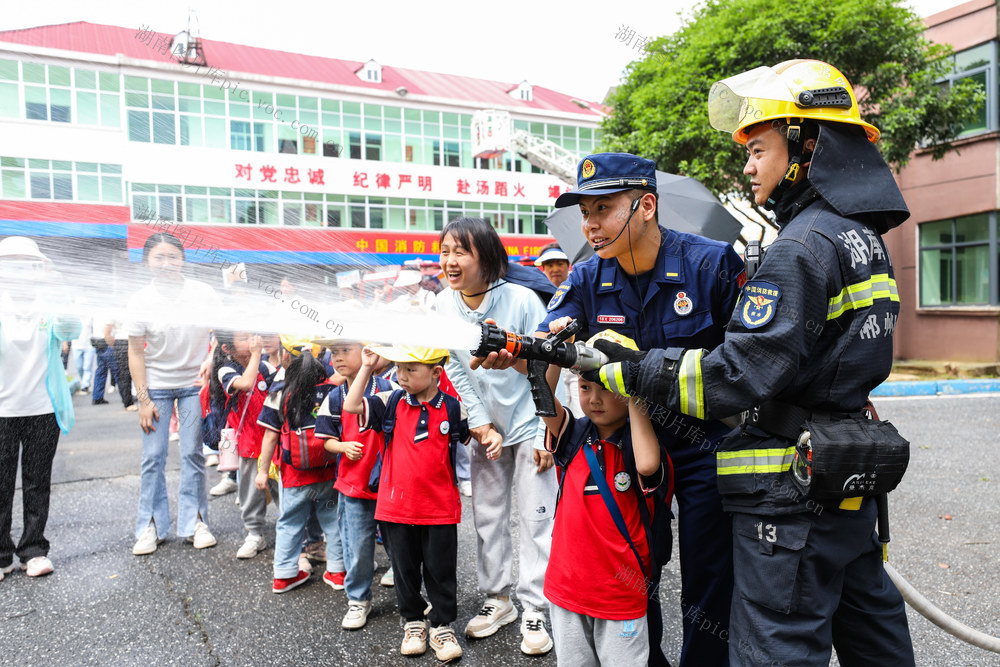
[616,352]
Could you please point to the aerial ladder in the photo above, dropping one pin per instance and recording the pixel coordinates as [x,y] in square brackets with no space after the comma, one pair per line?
[493,134]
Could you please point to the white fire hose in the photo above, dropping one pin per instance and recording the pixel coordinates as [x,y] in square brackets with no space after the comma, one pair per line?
[933,614]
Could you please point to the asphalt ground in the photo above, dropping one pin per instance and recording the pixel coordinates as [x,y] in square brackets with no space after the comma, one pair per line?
[103,605]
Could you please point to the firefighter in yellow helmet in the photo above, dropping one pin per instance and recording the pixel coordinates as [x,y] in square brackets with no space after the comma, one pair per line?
[810,336]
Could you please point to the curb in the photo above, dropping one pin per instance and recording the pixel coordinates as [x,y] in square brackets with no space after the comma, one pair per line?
[936,388]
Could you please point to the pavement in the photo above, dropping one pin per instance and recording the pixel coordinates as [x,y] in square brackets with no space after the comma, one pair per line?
[183,606]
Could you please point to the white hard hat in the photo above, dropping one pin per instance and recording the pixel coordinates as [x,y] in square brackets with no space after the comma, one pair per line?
[20,246]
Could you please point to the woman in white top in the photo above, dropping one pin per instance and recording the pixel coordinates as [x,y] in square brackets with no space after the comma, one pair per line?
[169,352]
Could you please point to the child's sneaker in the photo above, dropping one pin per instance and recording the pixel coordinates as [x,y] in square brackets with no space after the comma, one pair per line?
[494,614]
[535,639]
[202,538]
[305,564]
[335,580]
[414,638]
[388,579]
[147,542]
[251,546]
[4,571]
[37,566]
[316,551]
[445,645]
[357,614]
[285,585]
[225,486]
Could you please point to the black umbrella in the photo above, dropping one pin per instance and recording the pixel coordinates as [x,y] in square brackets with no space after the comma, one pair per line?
[684,204]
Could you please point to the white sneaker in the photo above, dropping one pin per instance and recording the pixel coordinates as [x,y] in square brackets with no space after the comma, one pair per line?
[357,614]
[414,638]
[445,645]
[202,538]
[494,614]
[212,460]
[465,487]
[225,486]
[535,639]
[175,436]
[388,579]
[251,546]
[4,571]
[147,542]
[37,566]
[304,563]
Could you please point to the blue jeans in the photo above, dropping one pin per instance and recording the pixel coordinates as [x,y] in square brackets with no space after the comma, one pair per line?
[83,359]
[296,502]
[192,498]
[105,364]
[357,526]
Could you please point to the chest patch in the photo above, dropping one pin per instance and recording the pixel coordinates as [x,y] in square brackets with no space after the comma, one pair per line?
[622,481]
[445,427]
[611,319]
[759,303]
[558,297]
[683,304]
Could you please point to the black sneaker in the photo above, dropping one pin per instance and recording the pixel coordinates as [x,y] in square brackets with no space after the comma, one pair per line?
[99,401]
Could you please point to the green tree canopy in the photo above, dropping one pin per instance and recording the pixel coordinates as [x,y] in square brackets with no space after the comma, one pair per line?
[661,111]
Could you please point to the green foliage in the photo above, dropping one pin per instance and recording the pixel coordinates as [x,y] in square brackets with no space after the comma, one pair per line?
[661,112]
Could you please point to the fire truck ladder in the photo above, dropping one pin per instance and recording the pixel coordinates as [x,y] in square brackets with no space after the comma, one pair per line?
[493,134]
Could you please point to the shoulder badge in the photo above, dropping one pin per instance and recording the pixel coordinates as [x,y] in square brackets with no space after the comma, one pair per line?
[623,481]
[759,303]
[557,298]
[683,304]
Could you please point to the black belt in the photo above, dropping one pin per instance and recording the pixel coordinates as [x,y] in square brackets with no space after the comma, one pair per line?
[788,421]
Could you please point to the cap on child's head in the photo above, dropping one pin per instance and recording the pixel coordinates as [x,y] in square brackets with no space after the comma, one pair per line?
[608,173]
[403,354]
[614,337]
[295,345]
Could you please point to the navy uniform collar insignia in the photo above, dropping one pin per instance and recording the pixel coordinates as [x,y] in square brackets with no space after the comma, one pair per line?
[758,303]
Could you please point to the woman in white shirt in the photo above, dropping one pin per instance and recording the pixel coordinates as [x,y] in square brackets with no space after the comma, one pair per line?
[169,352]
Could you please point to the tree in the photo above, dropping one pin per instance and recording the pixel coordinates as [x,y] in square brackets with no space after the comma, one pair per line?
[661,112]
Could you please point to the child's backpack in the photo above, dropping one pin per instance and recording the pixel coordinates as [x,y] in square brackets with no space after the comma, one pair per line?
[454,409]
[300,448]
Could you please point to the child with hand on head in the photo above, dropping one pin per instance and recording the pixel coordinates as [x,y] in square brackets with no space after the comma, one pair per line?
[241,382]
[307,474]
[611,466]
[418,502]
[357,454]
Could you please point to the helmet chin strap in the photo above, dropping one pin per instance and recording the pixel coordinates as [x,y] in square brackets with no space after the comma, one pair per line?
[796,149]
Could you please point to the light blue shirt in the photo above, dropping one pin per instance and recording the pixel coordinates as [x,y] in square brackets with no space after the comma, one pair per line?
[501,398]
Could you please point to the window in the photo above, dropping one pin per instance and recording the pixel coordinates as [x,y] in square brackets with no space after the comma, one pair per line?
[60,180]
[958,261]
[978,64]
[371,72]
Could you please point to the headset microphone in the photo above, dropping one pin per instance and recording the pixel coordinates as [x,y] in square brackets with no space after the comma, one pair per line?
[635,207]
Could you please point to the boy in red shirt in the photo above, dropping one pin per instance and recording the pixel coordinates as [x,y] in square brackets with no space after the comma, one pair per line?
[603,622]
[418,503]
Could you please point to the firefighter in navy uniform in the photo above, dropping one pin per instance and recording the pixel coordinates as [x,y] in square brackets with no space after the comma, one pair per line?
[661,288]
[810,338]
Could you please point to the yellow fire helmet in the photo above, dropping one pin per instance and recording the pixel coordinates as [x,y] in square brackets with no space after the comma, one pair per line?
[295,344]
[408,354]
[614,337]
[794,89]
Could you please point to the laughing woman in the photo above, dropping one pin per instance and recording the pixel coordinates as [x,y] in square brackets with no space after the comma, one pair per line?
[168,352]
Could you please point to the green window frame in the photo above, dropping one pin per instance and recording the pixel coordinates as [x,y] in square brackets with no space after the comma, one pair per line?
[958,261]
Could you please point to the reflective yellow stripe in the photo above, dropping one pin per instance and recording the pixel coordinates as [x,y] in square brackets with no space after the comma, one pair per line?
[614,381]
[751,461]
[851,503]
[862,295]
[692,390]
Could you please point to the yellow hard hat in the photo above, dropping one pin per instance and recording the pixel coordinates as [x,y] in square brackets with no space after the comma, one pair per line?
[794,89]
[403,354]
[295,344]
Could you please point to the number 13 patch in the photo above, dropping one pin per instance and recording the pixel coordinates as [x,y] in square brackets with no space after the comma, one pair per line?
[759,303]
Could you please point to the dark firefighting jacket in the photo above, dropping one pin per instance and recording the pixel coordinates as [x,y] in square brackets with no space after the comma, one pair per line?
[812,328]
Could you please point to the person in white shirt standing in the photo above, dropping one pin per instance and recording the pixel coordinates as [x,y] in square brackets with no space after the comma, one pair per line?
[169,345]
[35,401]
